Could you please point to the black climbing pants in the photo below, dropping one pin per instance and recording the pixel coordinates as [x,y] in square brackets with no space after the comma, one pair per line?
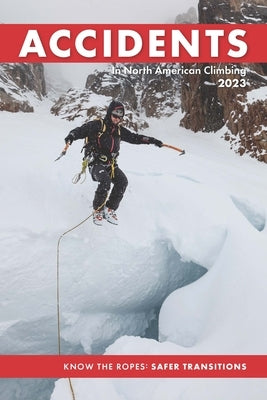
[102,174]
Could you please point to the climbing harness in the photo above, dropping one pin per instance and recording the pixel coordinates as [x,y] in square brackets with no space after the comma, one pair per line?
[88,158]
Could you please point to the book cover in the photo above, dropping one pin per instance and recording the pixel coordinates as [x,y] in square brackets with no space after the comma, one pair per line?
[134,267]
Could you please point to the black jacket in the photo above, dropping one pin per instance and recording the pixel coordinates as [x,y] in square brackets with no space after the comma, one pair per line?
[104,137]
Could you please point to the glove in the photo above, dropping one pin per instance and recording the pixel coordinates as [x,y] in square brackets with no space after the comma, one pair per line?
[156,142]
[69,139]
[151,140]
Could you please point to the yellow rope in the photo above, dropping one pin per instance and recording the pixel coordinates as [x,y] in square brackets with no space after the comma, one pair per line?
[71,389]
[112,173]
[58,291]
[58,296]
[78,176]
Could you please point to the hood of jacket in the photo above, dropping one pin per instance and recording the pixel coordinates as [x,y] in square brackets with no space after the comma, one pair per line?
[114,105]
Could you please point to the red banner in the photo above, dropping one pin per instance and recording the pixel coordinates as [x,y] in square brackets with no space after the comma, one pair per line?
[138,43]
[133,366]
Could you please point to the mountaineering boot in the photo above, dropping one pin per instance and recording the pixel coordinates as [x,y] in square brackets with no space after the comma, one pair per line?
[110,216]
[98,217]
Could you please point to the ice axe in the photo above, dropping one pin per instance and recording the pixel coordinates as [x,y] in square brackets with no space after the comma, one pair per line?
[174,148]
[64,151]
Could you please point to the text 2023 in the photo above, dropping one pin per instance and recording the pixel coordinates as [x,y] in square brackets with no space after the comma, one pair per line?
[228,82]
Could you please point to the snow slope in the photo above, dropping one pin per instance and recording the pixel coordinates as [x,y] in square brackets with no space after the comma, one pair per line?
[181,216]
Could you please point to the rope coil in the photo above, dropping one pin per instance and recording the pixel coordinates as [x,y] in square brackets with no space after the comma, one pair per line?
[78,176]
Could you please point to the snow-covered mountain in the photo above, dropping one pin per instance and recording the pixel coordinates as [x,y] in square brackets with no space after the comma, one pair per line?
[145,94]
[183,273]
[21,86]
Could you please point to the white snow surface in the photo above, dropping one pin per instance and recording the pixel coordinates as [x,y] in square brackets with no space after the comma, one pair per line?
[181,215]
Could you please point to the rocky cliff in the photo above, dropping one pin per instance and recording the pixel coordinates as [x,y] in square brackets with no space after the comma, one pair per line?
[209,107]
[20,84]
[144,93]
[232,11]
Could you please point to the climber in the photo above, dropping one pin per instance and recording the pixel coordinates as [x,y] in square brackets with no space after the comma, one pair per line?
[102,138]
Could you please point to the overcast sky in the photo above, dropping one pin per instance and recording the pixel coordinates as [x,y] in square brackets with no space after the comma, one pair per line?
[86,12]
[92,11]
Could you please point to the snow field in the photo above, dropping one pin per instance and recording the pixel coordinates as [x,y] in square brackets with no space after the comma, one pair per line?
[180,216]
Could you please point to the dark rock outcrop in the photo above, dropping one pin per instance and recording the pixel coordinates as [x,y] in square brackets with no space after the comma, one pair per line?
[18,83]
[144,95]
[209,107]
[114,86]
[232,11]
